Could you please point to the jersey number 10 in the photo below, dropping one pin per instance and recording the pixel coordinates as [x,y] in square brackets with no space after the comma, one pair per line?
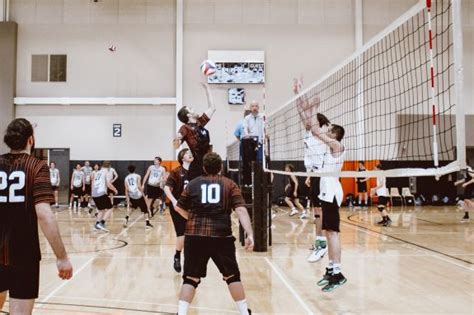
[210,193]
[12,196]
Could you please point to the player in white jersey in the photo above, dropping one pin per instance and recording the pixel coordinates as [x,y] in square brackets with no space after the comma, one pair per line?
[87,169]
[135,196]
[382,198]
[314,152]
[152,179]
[331,195]
[95,170]
[100,186]
[77,187]
[112,176]
[55,181]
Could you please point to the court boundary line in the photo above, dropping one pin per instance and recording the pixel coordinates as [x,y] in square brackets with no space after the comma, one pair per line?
[427,249]
[65,283]
[289,287]
[147,303]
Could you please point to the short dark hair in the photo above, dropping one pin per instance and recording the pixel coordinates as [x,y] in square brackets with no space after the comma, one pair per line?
[247,112]
[212,163]
[181,155]
[290,166]
[131,168]
[323,120]
[183,115]
[362,162]
[52,162]
[158,158]
[17,134]
[379,166]
[339,131]
[78,164]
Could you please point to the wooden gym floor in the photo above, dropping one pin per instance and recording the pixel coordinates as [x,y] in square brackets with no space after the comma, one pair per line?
[422,264]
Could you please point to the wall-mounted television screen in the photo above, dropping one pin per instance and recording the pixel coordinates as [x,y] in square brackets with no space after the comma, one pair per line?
[238,72]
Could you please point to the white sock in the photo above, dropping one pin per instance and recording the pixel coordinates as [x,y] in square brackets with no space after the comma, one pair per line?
[331,264]
[242,306]
[183,307]
[321,238]
[337,268]
[292,209]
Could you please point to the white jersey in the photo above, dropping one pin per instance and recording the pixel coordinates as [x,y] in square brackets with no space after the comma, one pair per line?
[314,151]
[77,178]
[54,176]
[132,185]
[111,173]
[99,184]
[156,172]
[330,187]
[382,191]
[88,173]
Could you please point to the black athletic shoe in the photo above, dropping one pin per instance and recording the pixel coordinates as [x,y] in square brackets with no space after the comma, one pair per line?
[177,265]
[381,222]
[326,277]
[387,222]
[148,225]
[335,282]
[466,216]
[250,311]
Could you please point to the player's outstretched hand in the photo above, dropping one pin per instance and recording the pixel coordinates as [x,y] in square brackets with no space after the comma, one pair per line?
[64,268]
[249,243]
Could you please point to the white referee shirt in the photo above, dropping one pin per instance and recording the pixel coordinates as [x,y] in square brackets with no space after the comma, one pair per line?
[254,126]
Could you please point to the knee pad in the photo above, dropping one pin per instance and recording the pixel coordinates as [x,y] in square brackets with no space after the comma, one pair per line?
[380,208]
[317,216]
[191,282]
[234,278]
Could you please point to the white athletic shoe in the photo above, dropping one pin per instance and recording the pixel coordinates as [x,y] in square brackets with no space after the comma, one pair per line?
[99,226]
[304,215]
[293,212]
[317,254]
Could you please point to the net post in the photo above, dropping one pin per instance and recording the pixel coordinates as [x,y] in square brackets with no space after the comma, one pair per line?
[260,209]
[459,83]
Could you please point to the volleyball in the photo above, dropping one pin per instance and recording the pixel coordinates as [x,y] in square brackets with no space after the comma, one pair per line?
[208,67]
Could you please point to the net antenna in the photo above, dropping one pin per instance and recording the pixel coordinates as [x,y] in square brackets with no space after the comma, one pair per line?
[398,97]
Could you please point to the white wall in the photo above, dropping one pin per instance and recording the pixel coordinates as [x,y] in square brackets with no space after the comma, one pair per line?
[306,37]
[87,130]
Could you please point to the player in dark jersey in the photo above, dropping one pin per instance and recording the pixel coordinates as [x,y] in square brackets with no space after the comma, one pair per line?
[468,185]
[207,203]
[175,184]
[25,199]
[194,133]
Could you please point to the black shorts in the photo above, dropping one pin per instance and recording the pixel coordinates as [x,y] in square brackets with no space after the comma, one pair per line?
[195,169]
[361,187]
[88,189]
[110,192]
[55,188]
[198,250]
[154,192]
[314,191]
[382,201]
[139,203]
[22,282]
[77,191]
[178,221]
[102,202]
[331,219]
[290,192]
